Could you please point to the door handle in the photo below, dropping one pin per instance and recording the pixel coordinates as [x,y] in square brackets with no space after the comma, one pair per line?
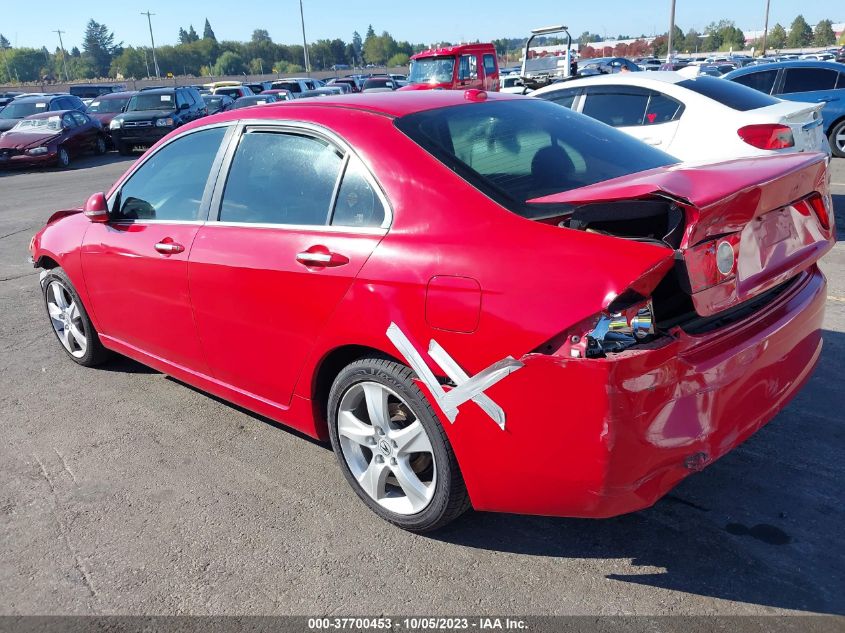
[169,248]
[828,99]
[653,141]
[321,257]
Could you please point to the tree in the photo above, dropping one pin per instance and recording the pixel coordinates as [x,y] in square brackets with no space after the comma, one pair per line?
[777,37]
[229,63]
[399,59]
[800,33]
[130,63]
[357,47]
[75,52]
[98,48]
[23,63]
[207,33]
[691,41]
[183,36]
[824,35]
[723,35]
[4,43]
[192,34]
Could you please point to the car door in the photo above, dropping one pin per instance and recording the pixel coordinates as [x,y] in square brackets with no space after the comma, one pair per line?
[136,264]
[296,218]
[645,114]
[86,131]
[468,72]
[73,142]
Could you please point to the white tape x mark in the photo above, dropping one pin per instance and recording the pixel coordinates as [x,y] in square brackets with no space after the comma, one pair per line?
[467,387]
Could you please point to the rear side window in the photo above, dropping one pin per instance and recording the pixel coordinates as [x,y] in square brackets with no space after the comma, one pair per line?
[733,95]
[279,178]
[809,80]
[517,150]
[662,109]
[764,81]
[357,202]
[171,183]
[619,107]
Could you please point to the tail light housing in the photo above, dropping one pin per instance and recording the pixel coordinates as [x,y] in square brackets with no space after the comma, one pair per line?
[818,204]
[767,136]
[712,262]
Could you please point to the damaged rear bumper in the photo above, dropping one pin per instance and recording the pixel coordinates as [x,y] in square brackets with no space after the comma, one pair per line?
[607,436]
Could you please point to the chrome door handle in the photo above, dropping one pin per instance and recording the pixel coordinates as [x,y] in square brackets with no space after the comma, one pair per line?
[169,248]
[321,258]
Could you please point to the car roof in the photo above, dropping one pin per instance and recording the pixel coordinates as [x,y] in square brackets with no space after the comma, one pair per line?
[453,50]
[393,104]
[635,79]
[116,95]
[156,91]
[42,96]
[47,115]
[788,63]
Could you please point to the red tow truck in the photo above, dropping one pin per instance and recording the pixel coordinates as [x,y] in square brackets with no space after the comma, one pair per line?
[455,68]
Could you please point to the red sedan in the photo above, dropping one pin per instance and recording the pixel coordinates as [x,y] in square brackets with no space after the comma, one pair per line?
[51,138]
[481,300]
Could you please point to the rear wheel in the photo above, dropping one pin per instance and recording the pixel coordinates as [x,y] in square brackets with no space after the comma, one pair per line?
[62,158]
[391,446]
[837,139]
[70,321]
[100,146]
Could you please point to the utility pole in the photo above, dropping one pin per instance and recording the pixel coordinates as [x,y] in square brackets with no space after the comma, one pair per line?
[304,41]
[64,58]
[146,63]
[152,41]
[765,31]
[670,44]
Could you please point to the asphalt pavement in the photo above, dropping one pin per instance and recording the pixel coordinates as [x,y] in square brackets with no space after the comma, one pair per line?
[123,491]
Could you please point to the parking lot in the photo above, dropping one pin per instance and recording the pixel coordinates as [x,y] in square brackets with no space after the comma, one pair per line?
[124,491]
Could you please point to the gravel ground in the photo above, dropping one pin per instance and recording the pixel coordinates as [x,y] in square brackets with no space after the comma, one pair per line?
[123,491]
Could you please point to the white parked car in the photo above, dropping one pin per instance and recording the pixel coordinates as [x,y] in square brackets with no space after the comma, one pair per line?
[694,118]
[513,84]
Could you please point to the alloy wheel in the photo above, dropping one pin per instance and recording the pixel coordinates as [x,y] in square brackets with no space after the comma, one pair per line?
[66,319]
[839,140]
[386,448]
[63,157]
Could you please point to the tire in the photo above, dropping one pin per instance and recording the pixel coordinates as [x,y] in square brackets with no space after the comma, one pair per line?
[123,149]
[62,158]
[412,454]
[100,146]
[837,139]
[70,320]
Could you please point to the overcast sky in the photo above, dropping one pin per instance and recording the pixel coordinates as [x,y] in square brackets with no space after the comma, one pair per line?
[424,21]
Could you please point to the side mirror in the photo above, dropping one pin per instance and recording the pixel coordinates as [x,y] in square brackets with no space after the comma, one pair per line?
[96,208]
[184,106]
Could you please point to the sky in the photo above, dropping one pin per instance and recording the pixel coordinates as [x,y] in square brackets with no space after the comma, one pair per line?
[425,21]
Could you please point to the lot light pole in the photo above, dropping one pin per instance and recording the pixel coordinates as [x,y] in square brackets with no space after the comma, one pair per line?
[152,41]
[765,31]
[669,43]
[64,57]
[304,41]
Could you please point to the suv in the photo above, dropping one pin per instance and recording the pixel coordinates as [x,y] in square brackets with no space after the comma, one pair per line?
[152,114]
[295,86]
[89,92]
[24,106]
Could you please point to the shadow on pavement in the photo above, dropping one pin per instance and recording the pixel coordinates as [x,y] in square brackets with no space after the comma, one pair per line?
[839,214]
[82,162]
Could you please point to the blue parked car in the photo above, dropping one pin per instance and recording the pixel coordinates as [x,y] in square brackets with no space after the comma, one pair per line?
[809,81]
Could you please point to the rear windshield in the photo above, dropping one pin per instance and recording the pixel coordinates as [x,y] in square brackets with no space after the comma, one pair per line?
[728,93]
[518,150]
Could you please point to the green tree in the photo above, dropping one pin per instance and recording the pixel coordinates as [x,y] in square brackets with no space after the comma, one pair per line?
[691,41]
[183,36]
[399,59]
[4,43]
[777,37]
[24,64]
[192,34]
[207,33]
[800,33]
[99,48]
[130,63]
[824,35]
[229,63]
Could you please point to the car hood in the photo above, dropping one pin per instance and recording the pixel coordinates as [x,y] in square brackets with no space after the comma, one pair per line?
[104,118]
[25,140]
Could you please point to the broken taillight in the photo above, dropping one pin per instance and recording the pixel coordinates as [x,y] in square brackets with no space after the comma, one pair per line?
[819,206]
[767,136]
[712,262]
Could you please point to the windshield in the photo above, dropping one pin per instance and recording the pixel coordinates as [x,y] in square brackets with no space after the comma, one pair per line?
[432,70]
[50,124]
[19,110]
[518,150]
[155,101]
[108,106]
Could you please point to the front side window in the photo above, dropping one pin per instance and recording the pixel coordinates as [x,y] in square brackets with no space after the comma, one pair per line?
[80,118]
[171,183]
[180,99]
[68,121]
[517,150]
[489,65]
[469,67]
[281,178]
[357,202]
[764,81]
[808,80]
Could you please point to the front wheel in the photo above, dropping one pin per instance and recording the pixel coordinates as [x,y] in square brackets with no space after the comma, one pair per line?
[62,158]
[70,321]
[837,139]
[100,146]
[391,447]
[123,148]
